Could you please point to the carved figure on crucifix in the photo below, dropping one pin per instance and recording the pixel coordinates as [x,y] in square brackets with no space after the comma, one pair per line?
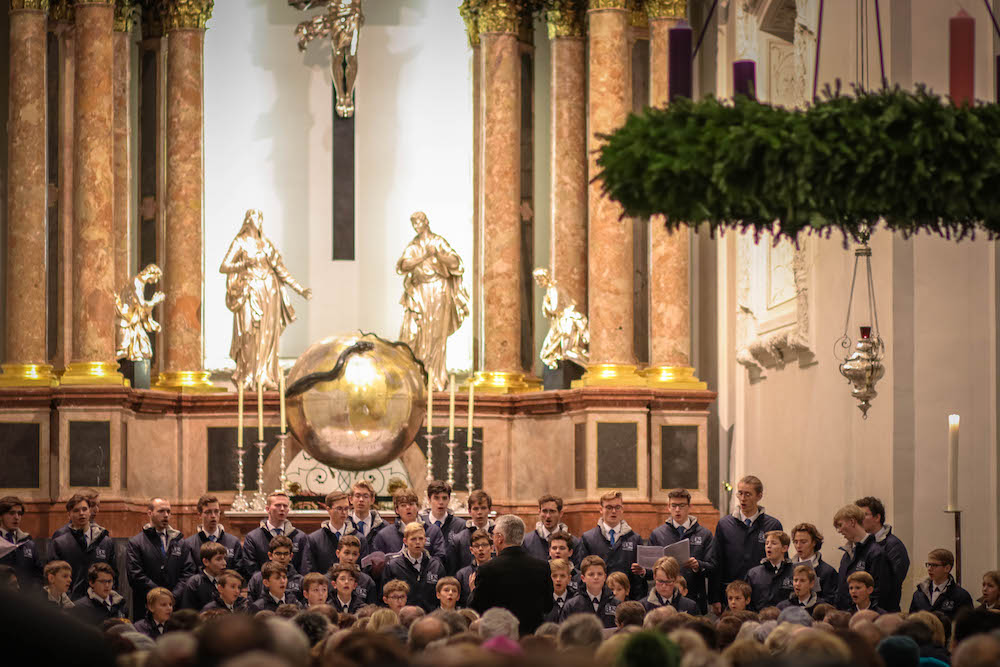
[569,333]
[342,22]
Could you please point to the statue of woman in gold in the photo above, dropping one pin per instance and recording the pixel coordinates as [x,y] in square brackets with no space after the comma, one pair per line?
[569,333]
[255,280]
[434,301]
[135,316]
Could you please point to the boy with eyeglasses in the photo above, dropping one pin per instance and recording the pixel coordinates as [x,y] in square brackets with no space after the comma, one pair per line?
[482,551]
[682,525]
[739,539]
[665,591]
[366,521]
[939,592]
[101,601]
[614,541]
[278,551]
[394,594]
[322,544]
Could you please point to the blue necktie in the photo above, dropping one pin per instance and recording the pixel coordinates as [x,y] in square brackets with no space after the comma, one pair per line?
[747,522]
[277,531]
[437,523]
[11,537]
[163,543]
[611,535]
[212,538]
[361,528]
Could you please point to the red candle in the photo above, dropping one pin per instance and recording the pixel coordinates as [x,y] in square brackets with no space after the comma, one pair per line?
[962,58]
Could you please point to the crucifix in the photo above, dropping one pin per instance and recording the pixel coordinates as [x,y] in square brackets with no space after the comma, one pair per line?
[341,22]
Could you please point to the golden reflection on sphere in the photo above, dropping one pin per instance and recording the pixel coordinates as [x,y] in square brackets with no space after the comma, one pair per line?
[369,415]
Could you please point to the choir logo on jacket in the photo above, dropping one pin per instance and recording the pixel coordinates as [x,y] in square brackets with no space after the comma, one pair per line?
[696,540]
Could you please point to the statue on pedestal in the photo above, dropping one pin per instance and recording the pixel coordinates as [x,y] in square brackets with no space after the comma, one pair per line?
[135,316]
[342,22]
[569,333]
[434,301]
[255,280]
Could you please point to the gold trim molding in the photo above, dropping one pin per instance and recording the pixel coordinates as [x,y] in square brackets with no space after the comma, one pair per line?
[666,9]
[673,377]
[504,382]
[187,14]
[595,5]
[566,18]
[28,375]
[186,382]
[610,375]
[91,373]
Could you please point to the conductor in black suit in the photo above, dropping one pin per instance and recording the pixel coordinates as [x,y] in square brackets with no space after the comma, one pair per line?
[519,583]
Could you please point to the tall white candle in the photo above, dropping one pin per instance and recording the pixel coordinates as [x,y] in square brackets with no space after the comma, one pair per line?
[953,462]
[239,419]
[260,411]
[281,398]
[430,404]
[472,394]
[451,410]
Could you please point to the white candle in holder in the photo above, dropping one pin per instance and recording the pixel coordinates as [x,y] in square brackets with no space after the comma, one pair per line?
[953,462]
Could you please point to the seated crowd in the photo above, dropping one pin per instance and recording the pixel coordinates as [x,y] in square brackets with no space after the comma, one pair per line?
[361,590]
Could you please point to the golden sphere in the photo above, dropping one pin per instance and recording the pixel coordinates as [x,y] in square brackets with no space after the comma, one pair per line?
[367,416]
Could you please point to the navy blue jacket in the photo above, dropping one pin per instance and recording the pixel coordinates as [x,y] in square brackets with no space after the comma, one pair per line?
[617,558]
[826,583]
[737,548]
[451,523]
[70,547]
[459,554]
[241,606]
[367,589]
[538,546]
[321,546]
[390,540]
[372,531]
[678,602]
[351,608]
[255,545]
[464,590]
[26,561]
[256,590]
[871,607]
[267,603]
[91,610]
[148,567]
[423,583]
[868,557]
[147,627]
[197,592]
[700,539]
[793,601]
[770,585]
[582,604]
[899,561]
[234,551]
[951,599]
[558,613]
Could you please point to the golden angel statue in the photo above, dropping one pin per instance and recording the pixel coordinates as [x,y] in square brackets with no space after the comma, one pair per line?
[569,333]
[434,301]
[342,22]
[135,316]
[255,280]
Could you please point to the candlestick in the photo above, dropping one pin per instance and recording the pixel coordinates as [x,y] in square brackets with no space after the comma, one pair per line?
[239,418]
[281,399]
[240,503]
[468,440]
[953,462]
[744,78]
[259,501]
[679,64]
[430,407]
[430,456]
[962,58]
[282,475]
[260,411]
[451,410]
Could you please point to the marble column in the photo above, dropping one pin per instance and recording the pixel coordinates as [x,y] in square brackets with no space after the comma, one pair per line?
[569,149]
[670,262]
[501,54]
[184,24]
[470,15]
[25,356]
[122,80]
[609,262]
[93,360]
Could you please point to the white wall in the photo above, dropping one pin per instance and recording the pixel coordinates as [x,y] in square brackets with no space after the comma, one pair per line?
[268,142]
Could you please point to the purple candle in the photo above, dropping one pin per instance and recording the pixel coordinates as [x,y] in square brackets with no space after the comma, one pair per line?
[680,83]
[996,72]
[745,78]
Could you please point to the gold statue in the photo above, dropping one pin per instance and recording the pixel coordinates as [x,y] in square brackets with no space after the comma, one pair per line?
[342,22]
[569,334]
[135,315]
[434,301]
[255,292]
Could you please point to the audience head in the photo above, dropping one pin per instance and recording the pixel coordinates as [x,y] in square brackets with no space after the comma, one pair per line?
[795,616]
[381,619]
[656,617]
[969,622]
[899,651]
[580,631]
[745,653]
[498,622]
[977,651]
[991,589]
[814,645]
[425,630]
[315,626]
[629,613]
[650,648]
[409,614]
[508,532]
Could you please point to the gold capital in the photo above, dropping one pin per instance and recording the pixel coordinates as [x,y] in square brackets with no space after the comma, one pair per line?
[469,11]
[566,18]
[187,14]
[125,15]
[61,11]
[607,4]
[499,16]
[36,5]
[666,9]
[637,14]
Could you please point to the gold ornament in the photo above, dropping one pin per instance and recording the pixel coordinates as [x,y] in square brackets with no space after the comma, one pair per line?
[469,11]
[342,23]
[32,5]
[135,315]
[126,12]
[595,5]
[187,14]
[666,9]
[566,18]
[61,11]
[500,16]
[569,334]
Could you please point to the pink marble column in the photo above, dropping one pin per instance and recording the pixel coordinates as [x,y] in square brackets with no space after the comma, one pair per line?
[122,79]
[498,34]
[182,271]
[93,360]
[670,261]
[610,262]
[569,151]
[61,14]
[25,356]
